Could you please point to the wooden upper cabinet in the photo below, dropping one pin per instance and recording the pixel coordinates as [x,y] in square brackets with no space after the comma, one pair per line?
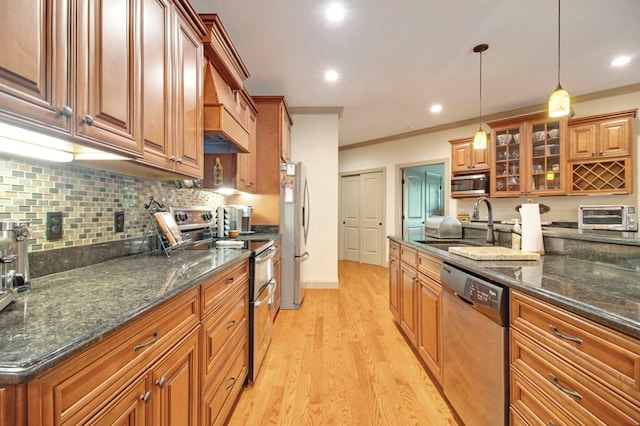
[108,73]
[245,179]
[34,65]
[157,87]
[466,159]
[189,148]
[607,135]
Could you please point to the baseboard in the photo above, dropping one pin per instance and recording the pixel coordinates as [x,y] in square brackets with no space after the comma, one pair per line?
[321,284]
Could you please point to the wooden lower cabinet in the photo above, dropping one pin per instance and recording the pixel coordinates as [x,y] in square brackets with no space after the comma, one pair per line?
[394,281]
[153,371]
[408,305]
[430,325]
[566,369]
[277,274]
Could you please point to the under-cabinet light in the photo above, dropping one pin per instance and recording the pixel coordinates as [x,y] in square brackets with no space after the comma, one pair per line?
[26,149]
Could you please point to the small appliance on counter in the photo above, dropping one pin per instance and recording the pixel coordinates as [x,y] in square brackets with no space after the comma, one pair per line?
[443,227]
[14,260]
[194,224]
[612,218]
[237,217]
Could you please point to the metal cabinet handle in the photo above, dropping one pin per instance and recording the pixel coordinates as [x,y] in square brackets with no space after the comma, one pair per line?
[179,160]
[564,336]
[601,153]
[232,382]
[146,397]
[150,342]
[88,120]
[229,280]
[593,154]
[161,382]
[66,111]
[574,394]
[172,158]
[231,324]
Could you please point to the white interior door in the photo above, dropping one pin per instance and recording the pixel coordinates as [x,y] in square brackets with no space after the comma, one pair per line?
[351,218]
[362,207]
[413,204]
[372,205]
[434,194]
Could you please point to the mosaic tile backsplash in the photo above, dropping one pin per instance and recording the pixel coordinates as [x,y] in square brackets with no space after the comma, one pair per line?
[87,199]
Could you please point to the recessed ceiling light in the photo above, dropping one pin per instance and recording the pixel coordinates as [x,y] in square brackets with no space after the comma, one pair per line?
[335,12]
[436,108]
[620,61]
[331,75]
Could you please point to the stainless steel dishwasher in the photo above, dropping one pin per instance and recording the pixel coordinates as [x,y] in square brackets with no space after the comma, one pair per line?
[474,345]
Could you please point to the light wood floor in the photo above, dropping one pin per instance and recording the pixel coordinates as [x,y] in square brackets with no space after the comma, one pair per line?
[340,360]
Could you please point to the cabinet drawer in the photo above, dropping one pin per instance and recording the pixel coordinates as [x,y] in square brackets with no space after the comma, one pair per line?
[220,331]
[532,406]
[219,399]
[394,250]
[430,266]
[80,386]
[572,389]
[609,355]
[218,288]
[408,255]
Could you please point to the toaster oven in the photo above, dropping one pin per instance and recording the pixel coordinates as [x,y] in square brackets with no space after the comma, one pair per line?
[613,218]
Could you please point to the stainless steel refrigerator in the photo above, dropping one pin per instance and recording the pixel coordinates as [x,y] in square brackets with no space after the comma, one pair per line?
[294,227]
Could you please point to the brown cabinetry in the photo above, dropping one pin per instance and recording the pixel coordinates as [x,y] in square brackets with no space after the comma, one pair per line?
[224,342]
[529,154]
[394,280]
[465,159]
[430,314]
[13,399]
[568,370]
[114,372]
[120,76]
[409,283]
[601,153]
[277,274]
[172,89]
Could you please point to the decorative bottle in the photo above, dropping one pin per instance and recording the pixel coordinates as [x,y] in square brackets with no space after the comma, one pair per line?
[218,175]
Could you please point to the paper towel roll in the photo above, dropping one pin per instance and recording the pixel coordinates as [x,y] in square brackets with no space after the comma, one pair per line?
[531,228]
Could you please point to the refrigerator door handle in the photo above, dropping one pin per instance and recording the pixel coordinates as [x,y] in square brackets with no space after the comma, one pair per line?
[306,210]
[304,256]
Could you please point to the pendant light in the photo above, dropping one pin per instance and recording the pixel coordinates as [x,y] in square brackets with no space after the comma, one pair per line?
[480,139]
[559,101]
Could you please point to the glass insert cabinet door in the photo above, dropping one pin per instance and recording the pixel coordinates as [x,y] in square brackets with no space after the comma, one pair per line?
[508,159]
[528,156]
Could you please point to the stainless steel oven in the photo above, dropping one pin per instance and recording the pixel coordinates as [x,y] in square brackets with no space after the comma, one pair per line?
[261,293]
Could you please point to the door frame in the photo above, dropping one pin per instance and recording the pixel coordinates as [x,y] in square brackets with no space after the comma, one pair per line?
[383,234]
[399,171]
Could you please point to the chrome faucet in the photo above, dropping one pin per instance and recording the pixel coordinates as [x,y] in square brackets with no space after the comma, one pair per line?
[490,237]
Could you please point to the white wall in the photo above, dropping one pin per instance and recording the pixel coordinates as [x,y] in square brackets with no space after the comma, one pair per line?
[314,141]
[434,147]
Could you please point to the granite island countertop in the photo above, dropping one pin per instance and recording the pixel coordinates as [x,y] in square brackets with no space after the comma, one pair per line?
[605,294]
[65,312]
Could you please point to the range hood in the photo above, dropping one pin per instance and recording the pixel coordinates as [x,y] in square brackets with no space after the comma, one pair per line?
[226,102]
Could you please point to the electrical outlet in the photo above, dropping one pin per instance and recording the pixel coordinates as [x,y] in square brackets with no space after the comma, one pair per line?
[118,221]
[54,226]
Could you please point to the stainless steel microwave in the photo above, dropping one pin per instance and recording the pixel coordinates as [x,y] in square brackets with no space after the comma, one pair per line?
[470,185]
[613,218]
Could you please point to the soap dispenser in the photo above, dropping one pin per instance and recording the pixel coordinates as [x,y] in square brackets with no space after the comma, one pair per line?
[516,235]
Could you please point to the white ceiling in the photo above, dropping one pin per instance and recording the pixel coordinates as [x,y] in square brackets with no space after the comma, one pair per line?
[397,58]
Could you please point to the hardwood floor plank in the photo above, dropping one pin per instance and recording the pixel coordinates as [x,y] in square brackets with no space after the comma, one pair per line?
[340,360]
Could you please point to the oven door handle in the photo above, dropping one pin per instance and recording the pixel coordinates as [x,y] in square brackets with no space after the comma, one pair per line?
[270,288]
[266,255]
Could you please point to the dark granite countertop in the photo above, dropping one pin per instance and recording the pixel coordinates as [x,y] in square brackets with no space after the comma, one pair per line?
[606,294]
[65,312]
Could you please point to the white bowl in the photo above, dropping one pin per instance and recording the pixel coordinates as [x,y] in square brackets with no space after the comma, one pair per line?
[553,133]
[504,139]
[516,138]
[539,136]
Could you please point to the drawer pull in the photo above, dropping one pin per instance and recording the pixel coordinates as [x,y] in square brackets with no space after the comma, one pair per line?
[146,397]
[161,382]
[574,394]
[564,336]
[150,342]
[232,382]
[231,324]
[229,280]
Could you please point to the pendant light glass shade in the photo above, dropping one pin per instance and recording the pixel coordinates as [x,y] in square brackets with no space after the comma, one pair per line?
[480,139]
[559,101]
